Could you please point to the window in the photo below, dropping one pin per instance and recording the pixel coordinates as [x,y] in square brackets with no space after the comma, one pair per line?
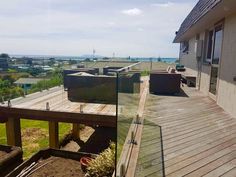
[217,45]
[184,47]
[213,45]
[209,45]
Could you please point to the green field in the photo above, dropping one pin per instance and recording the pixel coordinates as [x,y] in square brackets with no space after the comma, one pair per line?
[144,66]
[34,135]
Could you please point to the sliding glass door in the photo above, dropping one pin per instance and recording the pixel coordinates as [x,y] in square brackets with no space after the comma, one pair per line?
[215,62]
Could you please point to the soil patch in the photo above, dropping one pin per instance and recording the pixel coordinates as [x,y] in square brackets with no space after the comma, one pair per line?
[57,166]
[71,144]
[33,134]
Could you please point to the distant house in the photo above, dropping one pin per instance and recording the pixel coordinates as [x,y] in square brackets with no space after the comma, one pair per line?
[3,64]
[26,83]
[207,40]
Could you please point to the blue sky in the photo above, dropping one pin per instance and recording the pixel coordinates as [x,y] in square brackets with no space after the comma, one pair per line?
[142,28]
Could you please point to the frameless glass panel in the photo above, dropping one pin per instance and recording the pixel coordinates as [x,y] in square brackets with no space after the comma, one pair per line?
[217,45]
[213,81]
[128,100]
[150,160]
[128,82]
[150,155]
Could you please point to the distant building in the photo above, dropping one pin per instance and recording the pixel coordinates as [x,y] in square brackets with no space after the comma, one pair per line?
[26,83]
[3,64]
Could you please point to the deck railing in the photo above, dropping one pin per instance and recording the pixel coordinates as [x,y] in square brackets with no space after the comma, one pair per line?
[128,120]
[11,117]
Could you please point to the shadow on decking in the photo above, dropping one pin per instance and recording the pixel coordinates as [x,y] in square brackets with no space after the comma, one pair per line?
[180,94]
[98,141]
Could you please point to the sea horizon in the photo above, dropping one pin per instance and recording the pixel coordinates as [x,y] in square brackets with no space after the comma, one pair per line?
[82,57]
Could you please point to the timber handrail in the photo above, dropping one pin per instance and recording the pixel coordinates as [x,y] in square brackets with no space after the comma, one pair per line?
[67,117]
[11,116]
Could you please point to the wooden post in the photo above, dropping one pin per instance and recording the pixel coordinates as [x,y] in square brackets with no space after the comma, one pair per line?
[76,131]
[53,134]
[13,132]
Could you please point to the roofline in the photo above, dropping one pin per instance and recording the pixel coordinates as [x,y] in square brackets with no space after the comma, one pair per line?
[177,38]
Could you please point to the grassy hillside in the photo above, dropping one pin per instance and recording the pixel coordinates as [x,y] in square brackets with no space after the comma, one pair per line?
[34,135]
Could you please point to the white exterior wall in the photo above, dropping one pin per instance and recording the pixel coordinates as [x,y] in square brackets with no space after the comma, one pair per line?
[205,79]
[189,59]
[226,95]
[227,86]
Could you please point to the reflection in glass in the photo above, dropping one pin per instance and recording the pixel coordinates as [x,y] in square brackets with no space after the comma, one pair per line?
[209,45]
[213,81]
[217,45]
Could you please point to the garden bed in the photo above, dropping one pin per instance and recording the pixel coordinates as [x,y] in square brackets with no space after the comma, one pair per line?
[51,162]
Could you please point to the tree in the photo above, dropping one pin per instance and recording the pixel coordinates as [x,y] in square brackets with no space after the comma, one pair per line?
[29,62]
[4,55]
[52,61]
[87,59]
[72,62]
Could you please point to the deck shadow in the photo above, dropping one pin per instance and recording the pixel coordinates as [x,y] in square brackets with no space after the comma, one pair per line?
[99,140]
[180,94]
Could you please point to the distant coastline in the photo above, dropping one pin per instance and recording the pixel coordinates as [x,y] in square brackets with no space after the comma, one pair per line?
[83,57]
[165,60]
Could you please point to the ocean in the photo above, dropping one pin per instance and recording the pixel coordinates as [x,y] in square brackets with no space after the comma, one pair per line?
[166,60]
[81,58]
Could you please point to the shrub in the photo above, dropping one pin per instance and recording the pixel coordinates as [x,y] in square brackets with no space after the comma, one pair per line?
[104,164]
[145,73]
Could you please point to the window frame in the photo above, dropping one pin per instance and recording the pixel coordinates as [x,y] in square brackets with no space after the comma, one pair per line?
[184,47]
[207,33]
[217,29]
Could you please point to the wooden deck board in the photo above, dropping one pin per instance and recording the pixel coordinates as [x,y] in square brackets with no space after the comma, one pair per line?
[230,173]
[199,137]
[58,101]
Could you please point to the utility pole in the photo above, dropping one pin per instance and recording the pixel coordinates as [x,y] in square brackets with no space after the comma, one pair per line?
[150,64]
[94,51]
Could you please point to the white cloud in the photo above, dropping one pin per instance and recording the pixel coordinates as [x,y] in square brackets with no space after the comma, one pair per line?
[111,24]
[140,29]
[132,12]
[168,4]
[50,28]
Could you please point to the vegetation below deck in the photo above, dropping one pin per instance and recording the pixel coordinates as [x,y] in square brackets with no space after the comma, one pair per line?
[35,135]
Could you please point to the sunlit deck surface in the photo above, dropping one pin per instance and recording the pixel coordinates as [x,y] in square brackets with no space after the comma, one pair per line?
[58,101]
[199,138]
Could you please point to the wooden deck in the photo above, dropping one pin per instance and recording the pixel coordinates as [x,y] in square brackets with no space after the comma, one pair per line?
[58,101]
[60,109]
[199,138]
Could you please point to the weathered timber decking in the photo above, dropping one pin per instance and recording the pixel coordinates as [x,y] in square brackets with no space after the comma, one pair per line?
[199,138]
[58,101]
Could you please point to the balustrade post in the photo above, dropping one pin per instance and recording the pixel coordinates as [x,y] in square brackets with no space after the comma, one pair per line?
[53,134]
[76,131]
[13,132]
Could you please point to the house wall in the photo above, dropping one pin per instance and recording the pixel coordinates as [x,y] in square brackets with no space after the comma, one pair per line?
[205,79]
[227,86]
[226,95]
[189,59]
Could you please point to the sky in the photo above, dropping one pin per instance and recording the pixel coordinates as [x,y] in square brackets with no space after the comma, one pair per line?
[136,28]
